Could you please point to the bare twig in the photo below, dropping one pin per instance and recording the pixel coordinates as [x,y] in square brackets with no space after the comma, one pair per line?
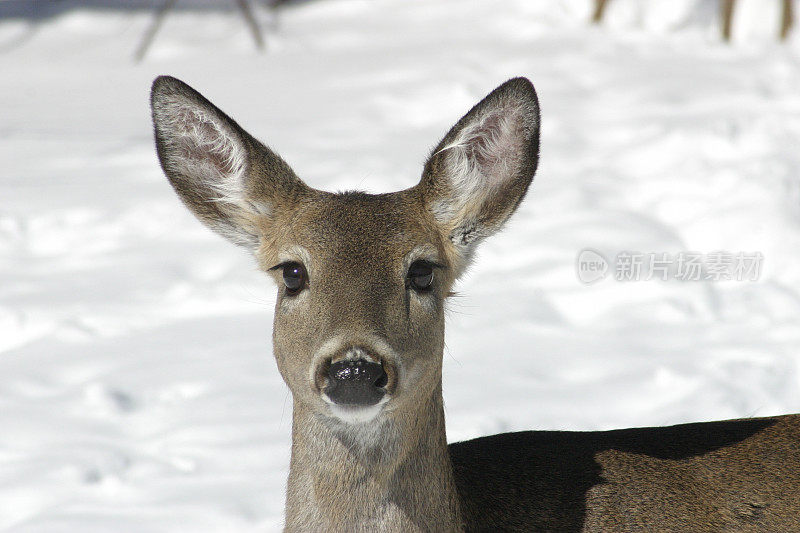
[149,36]
[599,9]
[153,29]
[787,19]
[244,7]
[727,18]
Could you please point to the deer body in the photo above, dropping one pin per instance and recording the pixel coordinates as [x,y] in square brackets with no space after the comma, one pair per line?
[359,335]
[736,475]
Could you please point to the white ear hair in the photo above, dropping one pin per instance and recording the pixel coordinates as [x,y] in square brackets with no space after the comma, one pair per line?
[208,149]
[481,158]
[476,177]
[209,160]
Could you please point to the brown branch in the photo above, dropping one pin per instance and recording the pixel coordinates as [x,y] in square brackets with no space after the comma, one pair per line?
[787,19]
[727,18]
[599,9]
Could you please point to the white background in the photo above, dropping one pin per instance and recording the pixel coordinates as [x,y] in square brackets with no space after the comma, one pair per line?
[137,387]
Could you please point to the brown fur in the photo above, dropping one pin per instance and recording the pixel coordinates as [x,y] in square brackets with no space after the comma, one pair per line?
[395,471]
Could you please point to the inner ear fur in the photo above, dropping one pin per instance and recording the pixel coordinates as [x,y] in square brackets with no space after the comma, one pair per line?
[227,178]
[479,173]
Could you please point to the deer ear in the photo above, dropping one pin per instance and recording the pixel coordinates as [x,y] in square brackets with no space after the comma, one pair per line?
[223,175]
[479,173]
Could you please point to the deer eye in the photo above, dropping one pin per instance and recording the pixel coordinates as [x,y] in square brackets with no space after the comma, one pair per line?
[420,275]
[294,277]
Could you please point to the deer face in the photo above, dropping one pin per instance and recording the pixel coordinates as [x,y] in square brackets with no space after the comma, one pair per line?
[359,320]
[362,279]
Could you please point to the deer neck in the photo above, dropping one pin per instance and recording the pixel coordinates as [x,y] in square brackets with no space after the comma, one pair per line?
[393,474]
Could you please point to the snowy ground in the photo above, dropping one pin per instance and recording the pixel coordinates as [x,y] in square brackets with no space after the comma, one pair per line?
[137,388]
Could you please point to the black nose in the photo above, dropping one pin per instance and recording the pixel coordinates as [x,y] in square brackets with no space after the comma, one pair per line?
[357,383]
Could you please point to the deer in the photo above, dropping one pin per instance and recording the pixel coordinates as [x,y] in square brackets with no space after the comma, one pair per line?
[358,338]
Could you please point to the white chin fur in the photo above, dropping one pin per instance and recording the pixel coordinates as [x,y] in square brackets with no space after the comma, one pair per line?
[355,415]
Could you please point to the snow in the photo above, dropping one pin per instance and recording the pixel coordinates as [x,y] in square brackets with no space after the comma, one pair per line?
[137,388]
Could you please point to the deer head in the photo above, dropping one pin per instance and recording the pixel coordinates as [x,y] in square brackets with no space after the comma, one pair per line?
[362,279]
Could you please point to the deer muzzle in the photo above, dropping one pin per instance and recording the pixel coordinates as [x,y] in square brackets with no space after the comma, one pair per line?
[356,383]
